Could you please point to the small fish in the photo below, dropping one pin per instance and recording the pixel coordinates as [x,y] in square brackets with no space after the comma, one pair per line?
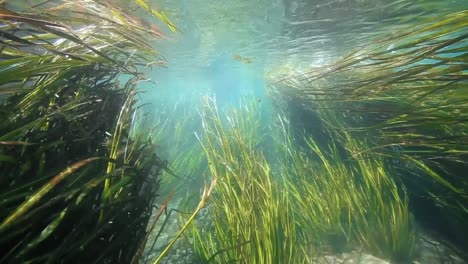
[239,58]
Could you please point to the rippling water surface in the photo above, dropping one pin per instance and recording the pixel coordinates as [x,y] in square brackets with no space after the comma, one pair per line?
[275,37]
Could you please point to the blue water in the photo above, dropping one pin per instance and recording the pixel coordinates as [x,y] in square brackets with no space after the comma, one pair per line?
[279,37]
[274,39]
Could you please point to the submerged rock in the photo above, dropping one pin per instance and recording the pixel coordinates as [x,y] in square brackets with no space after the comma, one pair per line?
[351,258]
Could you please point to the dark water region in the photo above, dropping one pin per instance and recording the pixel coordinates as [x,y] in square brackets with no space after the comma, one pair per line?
[207,131]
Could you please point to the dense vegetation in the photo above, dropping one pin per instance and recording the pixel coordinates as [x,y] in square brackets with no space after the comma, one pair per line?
[78,172]
[385,139]
[406,97]
[355,155]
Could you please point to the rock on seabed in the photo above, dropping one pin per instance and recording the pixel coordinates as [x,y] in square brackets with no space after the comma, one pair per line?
[351,258]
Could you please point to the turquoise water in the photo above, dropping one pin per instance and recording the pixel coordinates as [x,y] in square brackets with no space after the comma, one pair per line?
[232,51]
[258,132]
[279,37]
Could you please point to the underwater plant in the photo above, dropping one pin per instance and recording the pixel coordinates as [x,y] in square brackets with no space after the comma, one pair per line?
[298,204]
[249,221]
[182,177]
[350,203]
[405,95]
[172,121]
[78,176]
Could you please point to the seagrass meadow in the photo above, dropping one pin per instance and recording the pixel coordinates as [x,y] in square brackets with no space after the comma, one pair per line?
[256,132]
[78,176]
